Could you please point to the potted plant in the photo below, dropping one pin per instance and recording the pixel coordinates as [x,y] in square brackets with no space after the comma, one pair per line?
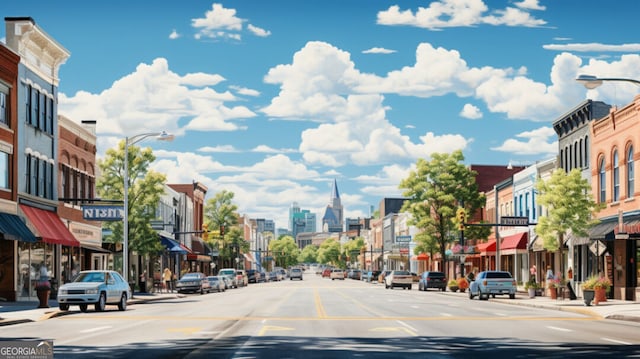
[531,287]
[463,284]
[553,285]
[453,285]
[600,286]
[43,290]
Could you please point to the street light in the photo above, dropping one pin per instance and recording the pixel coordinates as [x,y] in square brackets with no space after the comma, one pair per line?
[129,141]
[591,82]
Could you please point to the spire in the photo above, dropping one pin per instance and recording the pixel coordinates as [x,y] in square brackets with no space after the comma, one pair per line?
[334,191]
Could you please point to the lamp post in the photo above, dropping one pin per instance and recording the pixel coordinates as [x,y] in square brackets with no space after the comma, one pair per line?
[591,82]
[129,141]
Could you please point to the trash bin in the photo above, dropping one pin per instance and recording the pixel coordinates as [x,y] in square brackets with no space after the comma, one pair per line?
[54,288]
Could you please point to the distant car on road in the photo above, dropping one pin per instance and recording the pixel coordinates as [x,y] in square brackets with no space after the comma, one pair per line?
[295,273]
[216,283]
[337,274]
[326,273]
[371,276]
[398,278]
[194,282]
[97,287]
[493,283]
[231,273]
[253,276]
[431,279]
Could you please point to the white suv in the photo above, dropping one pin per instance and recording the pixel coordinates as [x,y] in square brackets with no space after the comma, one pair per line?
[295,273]
[337,274]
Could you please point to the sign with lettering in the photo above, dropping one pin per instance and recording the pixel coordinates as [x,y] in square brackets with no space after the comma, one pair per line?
[401,239]
[102,213]
[514,221]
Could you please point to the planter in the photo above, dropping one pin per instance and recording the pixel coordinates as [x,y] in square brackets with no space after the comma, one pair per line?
[532,292]
[43,297]
[553,292]
[601,295]
[453,289]
[588,295]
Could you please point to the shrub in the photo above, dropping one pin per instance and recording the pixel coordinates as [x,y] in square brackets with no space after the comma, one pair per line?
[462,283]
[597,282]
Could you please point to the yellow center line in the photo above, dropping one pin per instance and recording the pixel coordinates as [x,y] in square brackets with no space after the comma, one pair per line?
[319,307]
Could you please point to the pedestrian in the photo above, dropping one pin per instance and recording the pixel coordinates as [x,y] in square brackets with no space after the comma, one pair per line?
[549,275]
[166,279]
[143,282]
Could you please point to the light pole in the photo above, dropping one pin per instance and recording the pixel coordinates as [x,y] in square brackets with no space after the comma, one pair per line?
[591,82]
[129,141]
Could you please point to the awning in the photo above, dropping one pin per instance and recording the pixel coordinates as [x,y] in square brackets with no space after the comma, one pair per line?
[515,243]
[173,246]
[198,257]
[422,257]
[487,247]
[367,257]
[603,230]
[94,248]
[49,226]
[12,227]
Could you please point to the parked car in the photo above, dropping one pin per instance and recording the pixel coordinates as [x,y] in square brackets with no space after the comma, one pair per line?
[431,279]
[326,273]
[295,273]
[337,274]
[231,273]
[97,287]
[356,274]
[193,282]
[371,276]
[228,283]
[273,276]
[216,283]
[241,277]
[263,276]
[253,276]
[398,278]
[382,275]
[493,283]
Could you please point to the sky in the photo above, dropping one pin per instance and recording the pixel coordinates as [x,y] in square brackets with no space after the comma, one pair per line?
[274,100]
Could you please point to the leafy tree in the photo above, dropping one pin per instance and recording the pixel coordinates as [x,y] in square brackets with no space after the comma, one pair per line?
[570,206]
[352,248]
[230,246]
[285,251]
[309,254]
[436,189]
[145,189]
[329,252]
[220,215]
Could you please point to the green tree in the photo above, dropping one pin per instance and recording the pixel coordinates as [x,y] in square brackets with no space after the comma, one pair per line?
[145,189]
[309,254]
[352,249]
[285,251]
[220,215]
[436,189]
[330,253]
[570,206]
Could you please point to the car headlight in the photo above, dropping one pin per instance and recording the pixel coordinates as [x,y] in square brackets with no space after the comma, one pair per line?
[62,292]
[91,291]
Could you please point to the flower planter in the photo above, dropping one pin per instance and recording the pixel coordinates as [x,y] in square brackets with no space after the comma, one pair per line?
[600,295]
[553,292]
[588,295]
[43,297]
[532,292]
[453,289]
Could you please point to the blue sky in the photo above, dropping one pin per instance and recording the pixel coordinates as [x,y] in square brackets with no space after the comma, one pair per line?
[273,100]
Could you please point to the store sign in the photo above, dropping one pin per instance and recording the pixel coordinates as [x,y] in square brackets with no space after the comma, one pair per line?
[102,213]
[514,221]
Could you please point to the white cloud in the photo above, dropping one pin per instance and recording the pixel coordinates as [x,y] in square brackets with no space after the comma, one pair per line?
[218,22]
[245,91]
[258,31]
[541,141]
[593,47]
[459,13]
[218,149]
[530,4]
[152,98]
[174,35]
[378,50]
[471,112]
[267,149]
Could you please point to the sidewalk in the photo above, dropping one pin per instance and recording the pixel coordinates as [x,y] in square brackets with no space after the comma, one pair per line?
[22,312]
[28,311]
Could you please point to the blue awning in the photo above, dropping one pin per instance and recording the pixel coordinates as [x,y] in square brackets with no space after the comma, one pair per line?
[172,245]
[12,227]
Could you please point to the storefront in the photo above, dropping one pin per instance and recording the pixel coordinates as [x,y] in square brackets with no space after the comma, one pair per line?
[15,235]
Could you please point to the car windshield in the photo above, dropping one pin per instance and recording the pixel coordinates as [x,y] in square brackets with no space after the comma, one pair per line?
[90,277]
[191,276]
[401,272]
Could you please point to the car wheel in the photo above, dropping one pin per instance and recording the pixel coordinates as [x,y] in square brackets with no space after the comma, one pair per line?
[64,307]
[409,287]
[101,304]
[512,296]
[201,291]
[122,304]
[482,296]
[492,296]
[83,308]
[470,295]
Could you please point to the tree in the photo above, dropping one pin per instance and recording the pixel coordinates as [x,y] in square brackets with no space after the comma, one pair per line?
[230,246]
[220,215]
[309,254]
[436,189]
[145,189]
[352,248]
[285,251]
[329,252]
[570,206]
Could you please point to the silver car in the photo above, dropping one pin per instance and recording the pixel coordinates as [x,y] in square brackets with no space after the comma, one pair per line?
[97,287]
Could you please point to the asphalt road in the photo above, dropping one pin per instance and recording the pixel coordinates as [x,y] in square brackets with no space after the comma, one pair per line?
[320,318]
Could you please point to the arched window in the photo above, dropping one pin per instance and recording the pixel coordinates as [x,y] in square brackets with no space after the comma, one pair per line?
[616,178]
[581,156]
[602,181]
[630,174]
[586,151]
[575,155]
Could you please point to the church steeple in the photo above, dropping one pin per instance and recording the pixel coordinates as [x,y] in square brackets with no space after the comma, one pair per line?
[333,217]
[334,192]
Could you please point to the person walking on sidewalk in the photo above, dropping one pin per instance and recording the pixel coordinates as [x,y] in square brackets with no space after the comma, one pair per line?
[166,279]
[143,282]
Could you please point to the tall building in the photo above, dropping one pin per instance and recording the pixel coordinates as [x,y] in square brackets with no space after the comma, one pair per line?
[334,213]
[301,220]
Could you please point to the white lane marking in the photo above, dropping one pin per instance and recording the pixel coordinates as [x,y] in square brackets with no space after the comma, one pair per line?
[415,307]
[406,325]
[616,341]
[446,315]
[95,329]
[560,329]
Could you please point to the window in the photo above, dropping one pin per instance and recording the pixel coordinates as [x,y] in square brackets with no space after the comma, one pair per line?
[4,106]
[36,108]
[586,151]
[49,119]
[28,97]
[4,170]
[602,181]
[616,178]
[630,180]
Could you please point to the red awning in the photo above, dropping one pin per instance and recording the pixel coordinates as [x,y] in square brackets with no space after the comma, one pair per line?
[514,241]
[423,257]
[49,226]
[484,248]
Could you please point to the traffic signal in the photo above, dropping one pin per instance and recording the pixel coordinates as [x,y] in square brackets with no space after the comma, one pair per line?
[205,232]
[461,215]
[222,230]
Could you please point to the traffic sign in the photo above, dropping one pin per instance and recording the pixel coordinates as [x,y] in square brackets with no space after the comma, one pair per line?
[401,239]
[514,221]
